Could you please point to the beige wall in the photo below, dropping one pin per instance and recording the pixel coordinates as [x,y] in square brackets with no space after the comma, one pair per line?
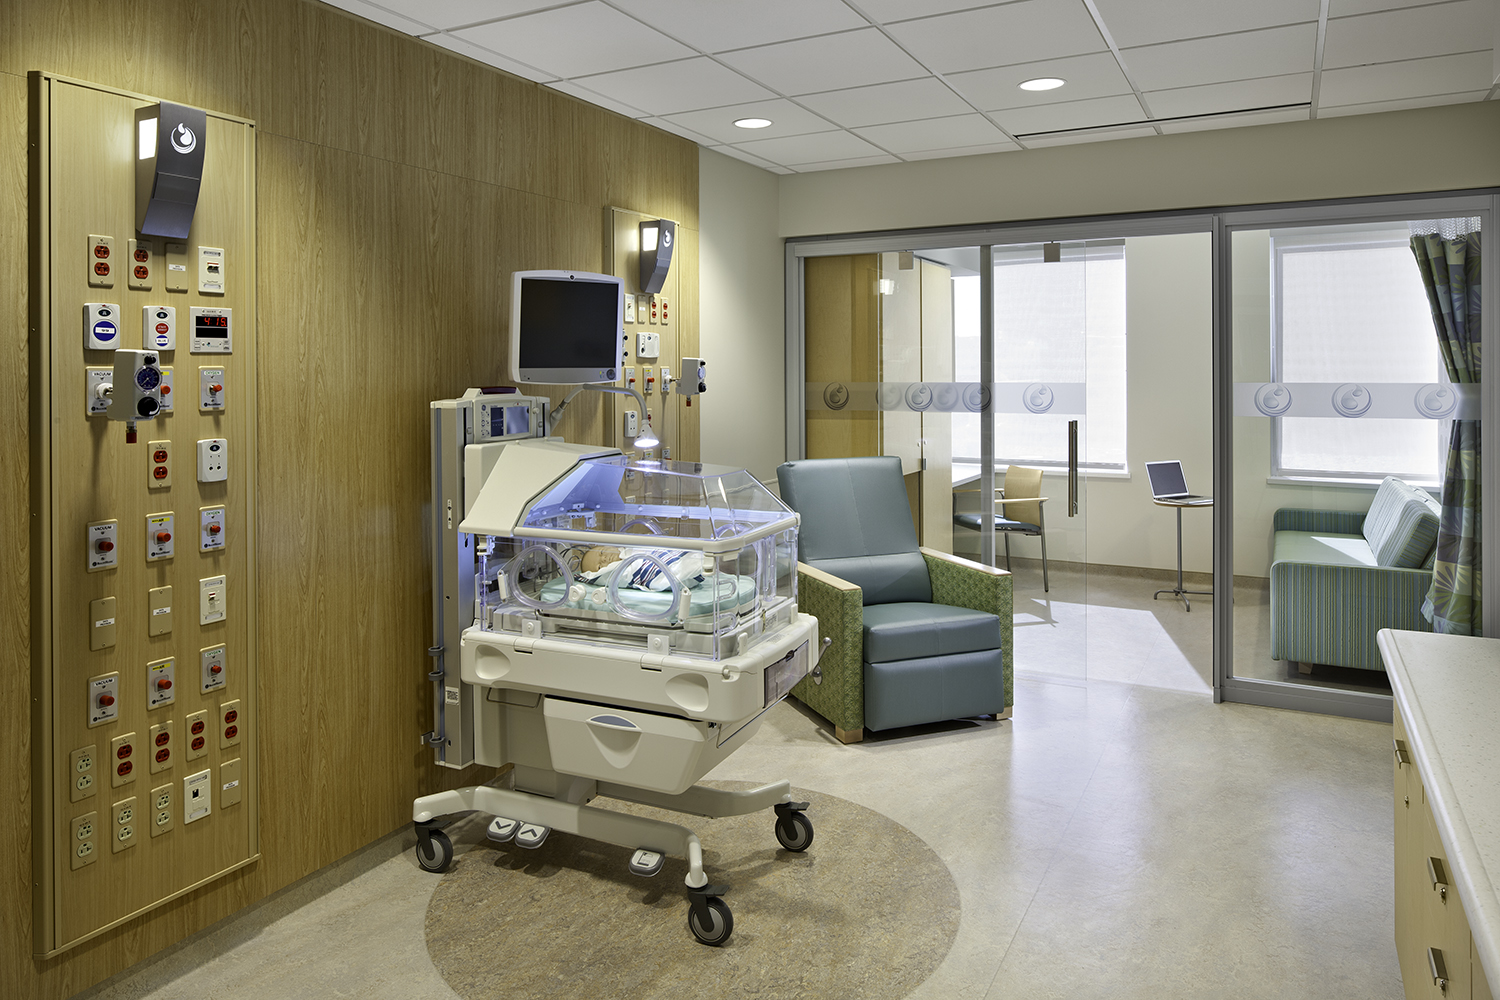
[399,185]
[1430,149]
[742,278]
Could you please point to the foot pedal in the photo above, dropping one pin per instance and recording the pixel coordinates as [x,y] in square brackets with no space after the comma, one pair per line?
[646,863]
[530,835]
[502,830]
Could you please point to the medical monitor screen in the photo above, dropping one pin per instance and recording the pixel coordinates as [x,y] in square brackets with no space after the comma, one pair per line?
[566,327]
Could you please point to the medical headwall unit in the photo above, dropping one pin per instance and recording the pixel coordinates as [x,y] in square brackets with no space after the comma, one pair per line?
[143,569]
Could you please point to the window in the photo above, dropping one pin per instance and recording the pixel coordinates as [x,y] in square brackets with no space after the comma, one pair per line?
[1054,322]
[1349,307]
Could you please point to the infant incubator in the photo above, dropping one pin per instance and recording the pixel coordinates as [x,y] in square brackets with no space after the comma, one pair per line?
[630,622]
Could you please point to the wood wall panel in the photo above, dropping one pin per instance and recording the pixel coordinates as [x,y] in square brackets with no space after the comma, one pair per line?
[399,186]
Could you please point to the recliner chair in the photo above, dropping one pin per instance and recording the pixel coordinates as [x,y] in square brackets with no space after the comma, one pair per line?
[918,635]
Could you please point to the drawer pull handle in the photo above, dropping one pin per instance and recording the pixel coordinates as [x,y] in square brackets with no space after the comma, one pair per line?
[1403,756]
[614,722]
[1439,969]
[1438,875]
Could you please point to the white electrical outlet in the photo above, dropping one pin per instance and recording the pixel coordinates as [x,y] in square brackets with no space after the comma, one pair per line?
[630,308]
[213,460]
[632,423]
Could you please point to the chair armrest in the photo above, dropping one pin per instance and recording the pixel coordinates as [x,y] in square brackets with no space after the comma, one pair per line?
[1003,500]
[963,583]
[1334,522]
[838,605]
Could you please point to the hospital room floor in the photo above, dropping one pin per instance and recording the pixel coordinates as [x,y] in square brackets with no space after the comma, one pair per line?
[1121,836]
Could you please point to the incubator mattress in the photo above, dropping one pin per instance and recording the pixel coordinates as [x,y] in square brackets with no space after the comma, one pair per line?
[734,592]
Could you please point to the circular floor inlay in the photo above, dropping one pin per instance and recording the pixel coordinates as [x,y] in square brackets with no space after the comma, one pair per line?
[868,911]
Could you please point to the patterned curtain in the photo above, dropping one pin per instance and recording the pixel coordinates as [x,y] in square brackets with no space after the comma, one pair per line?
[1447,252]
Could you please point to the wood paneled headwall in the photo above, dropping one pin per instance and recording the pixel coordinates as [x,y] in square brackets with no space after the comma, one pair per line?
[398,187]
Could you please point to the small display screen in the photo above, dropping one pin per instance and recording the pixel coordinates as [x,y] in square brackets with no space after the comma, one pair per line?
[569,323]
[211,326]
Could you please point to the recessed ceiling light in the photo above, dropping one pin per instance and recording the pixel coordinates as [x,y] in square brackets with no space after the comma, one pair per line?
[753,122]
[1044,83]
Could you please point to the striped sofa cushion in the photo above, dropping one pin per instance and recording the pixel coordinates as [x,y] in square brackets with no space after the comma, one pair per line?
[1402,525]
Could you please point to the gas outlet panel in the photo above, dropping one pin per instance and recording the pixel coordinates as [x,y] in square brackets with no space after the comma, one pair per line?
[166,389]
[104,699]
[159,536]
[96,404]
[161,683]
[211,390]
[211,662]
[211,528]
[103,545]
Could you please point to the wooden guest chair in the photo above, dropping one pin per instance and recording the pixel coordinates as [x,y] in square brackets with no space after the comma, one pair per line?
[919,636]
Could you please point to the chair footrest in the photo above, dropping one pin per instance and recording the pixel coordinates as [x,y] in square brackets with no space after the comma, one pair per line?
[933,689]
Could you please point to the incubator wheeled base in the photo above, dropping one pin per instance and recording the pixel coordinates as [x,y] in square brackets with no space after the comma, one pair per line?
[709,918]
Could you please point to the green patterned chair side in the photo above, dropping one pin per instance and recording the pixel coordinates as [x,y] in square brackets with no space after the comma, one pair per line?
[961,583]
[1330,614]
[839,608]
[1333,522]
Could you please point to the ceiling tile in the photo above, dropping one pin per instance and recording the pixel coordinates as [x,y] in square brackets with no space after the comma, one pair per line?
[888,102]
[667,125]
[453,13]
[797,149]
[455,44]
[935,154]
[786,119]
[1075,138]
[1343,8]
[1028,31]
[584,94]
[1215,97]
[1096,75]
[888,11]
[1232,121]
[933,133]
[1410,78]
[737,24]
[1245,56]
[740,154]
[1072,114]
[667,88]
[851,59]
[1438,30]
[860,161]
[1413,102]
[1132,22]
[571,41]
[378,14]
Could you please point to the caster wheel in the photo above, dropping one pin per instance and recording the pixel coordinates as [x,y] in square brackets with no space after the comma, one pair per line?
[794,831]
[720,920]
[440,857]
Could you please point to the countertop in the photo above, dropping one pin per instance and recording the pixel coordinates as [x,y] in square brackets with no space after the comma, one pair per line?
[1447,688]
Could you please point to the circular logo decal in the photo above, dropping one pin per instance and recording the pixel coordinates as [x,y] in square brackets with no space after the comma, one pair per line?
[183,139]
[1436,401]
[836,396]
[919,396]
[891,397]
[976,398]
[1273,399]
[946,397]
[1352,400]
[1037,397]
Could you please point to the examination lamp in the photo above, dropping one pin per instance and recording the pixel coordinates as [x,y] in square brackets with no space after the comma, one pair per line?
[657,237]
[170,140]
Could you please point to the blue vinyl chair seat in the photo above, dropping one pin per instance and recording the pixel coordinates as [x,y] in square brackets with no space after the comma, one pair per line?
[909,631]
[974,522]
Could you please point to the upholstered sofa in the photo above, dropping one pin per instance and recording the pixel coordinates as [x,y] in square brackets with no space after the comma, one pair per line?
[1338,577]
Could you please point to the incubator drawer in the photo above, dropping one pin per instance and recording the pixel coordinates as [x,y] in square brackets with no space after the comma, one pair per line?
[641,749]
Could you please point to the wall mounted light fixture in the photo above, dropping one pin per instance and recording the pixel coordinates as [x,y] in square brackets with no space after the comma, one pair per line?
[657,239]
[170,141]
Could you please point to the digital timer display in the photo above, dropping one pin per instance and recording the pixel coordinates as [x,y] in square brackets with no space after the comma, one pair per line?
[211,326]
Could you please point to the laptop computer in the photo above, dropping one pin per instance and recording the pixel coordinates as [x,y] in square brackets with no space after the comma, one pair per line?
[1168,483]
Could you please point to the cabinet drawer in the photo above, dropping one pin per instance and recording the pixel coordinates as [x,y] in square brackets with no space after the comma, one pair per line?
[641,749]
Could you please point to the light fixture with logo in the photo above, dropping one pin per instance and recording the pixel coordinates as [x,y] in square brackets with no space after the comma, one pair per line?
[1042,83]
[657,237]
[170,140]
[753,122]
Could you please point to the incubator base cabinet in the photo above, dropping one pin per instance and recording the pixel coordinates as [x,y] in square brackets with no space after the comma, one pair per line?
[619,626]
